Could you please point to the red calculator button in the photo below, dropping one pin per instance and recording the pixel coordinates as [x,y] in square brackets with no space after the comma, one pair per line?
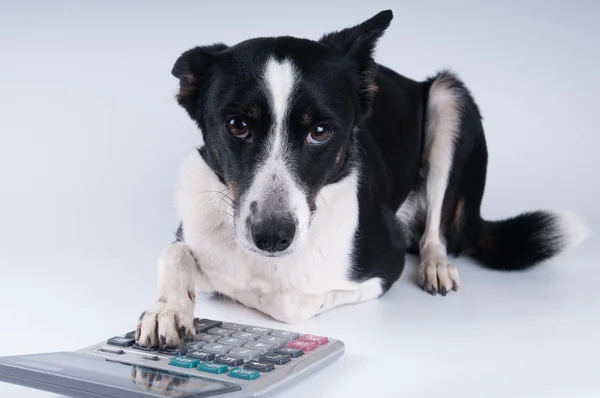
[309,338]
[303,345]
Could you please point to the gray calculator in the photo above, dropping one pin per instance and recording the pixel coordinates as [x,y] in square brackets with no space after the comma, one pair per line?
[225,359]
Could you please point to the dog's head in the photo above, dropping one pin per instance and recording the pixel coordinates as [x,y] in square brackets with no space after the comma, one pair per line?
[278,118]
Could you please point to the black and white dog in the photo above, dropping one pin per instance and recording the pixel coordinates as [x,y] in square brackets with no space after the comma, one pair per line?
[319,170]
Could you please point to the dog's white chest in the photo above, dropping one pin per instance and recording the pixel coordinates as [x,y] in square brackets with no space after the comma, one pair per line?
[321,266]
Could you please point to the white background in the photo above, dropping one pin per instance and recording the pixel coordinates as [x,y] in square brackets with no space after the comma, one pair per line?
[91,139]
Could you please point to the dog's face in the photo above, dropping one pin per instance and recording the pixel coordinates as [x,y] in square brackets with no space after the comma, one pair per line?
[278,118]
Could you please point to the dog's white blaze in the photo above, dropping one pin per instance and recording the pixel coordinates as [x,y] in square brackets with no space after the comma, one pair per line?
[274,175]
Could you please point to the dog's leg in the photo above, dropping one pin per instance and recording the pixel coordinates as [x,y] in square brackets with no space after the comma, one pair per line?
[442,127]
[294,307]
[171,318]
[365,291]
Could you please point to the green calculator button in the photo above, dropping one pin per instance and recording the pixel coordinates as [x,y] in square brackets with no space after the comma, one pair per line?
[243,373]
[184,362]
[212,367]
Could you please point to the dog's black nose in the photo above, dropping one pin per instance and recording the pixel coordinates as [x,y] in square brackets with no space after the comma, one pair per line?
[273,235]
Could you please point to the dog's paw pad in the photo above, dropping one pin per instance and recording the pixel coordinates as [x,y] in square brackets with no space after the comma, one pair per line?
[165,325]
[438,277]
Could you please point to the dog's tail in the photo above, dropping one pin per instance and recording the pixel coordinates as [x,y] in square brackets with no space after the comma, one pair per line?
[520,242]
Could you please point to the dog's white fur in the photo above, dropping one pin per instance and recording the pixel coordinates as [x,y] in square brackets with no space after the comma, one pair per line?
[291,288]
[441,129]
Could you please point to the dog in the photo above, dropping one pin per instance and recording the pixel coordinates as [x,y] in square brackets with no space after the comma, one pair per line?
[319,170]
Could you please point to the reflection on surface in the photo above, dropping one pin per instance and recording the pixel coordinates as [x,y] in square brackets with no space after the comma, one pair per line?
[164,383]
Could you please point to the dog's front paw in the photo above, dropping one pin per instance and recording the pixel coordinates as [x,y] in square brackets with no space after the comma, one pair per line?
[437,275]
[166,324]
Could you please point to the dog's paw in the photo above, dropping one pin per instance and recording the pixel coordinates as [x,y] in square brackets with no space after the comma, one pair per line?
[438,276]
[158,382]
[166,324]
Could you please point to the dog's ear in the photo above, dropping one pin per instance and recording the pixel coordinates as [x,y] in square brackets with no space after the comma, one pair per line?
[358,43]
[191,69]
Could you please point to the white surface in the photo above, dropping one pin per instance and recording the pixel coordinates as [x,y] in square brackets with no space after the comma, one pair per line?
[91,139]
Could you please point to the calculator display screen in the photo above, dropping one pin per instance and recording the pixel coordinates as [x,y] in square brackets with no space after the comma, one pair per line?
[113,378]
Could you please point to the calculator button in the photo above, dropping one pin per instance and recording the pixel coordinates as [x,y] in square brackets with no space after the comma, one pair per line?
[193,345]
[202,356]
[303,345]
[229,360]
[130,335]
[212,367]
[245,335]
[309,338]
[277,359]
[209,338]
[142,348]
[116,352]
[258,330]
[120,341]
[233,326]
[292,352]
[289,336]
[217,348]
[262,347]
[244,353]
[184,362]
[243,373]
[260,366]
[221,331]
[232,341]
[177,351]
[202,325]
[276,341]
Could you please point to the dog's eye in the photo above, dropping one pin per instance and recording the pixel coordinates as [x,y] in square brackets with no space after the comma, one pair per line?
[237,127]
[319,135]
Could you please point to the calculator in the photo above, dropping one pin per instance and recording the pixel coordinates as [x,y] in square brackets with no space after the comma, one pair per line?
[225,359]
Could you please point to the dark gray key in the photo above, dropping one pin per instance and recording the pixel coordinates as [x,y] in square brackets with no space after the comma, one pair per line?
[260,366]
[289,336]
[232,341]
[246,336]
[277,359]
[292,352]
[244,353]
[209,338]
[262,347]
[203,356]
[177,351]
[229,360]
[120,341]
[142,348]
[258,330]
[217,348]
[276,341]
[130,335]
[202,325]
[221,332]
[233,326]
[193,345]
